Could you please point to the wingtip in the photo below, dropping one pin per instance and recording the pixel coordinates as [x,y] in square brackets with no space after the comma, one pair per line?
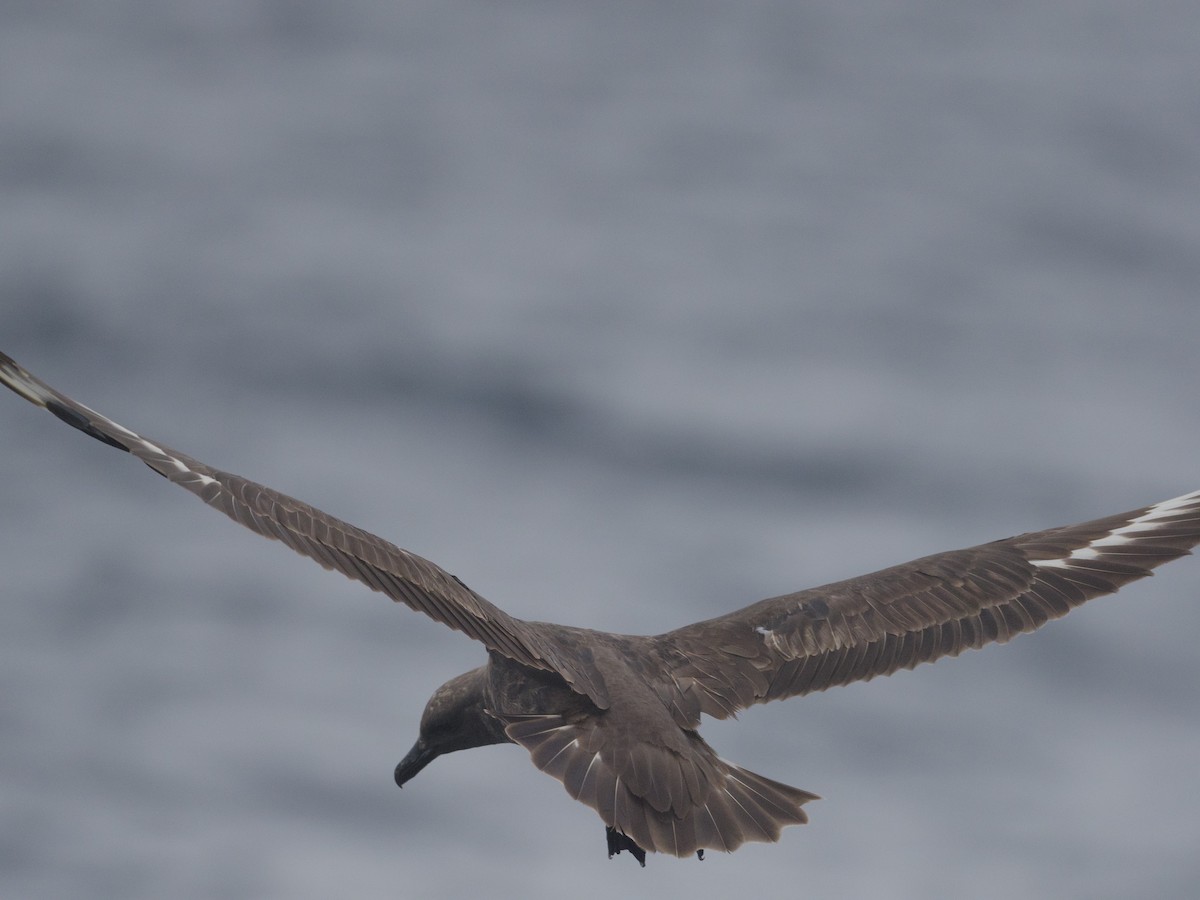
[21,382]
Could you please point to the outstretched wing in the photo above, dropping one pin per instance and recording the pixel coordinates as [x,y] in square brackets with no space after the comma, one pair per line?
[919,611]
[358,554]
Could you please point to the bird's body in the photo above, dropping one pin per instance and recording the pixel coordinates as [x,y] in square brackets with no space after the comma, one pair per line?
[633,756]
[615,717]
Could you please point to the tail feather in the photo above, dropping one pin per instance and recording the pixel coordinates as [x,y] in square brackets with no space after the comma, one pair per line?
[707,803]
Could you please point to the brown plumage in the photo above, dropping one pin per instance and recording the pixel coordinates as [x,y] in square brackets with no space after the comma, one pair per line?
[614,717]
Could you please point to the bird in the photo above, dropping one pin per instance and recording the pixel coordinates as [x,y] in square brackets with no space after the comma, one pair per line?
[615,717]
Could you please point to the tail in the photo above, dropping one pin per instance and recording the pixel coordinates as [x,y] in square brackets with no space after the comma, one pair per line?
[747,807]
[659,800]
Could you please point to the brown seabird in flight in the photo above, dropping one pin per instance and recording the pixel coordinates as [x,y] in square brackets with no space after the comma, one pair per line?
[614,717]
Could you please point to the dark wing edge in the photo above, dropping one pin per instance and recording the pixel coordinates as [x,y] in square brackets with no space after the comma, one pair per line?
[334,544]
[919,611]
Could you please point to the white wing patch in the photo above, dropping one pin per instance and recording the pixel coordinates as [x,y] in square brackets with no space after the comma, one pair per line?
[176,464]
[148,447]
[1147,523]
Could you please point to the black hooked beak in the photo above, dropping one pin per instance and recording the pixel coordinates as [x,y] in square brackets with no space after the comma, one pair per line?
[418,758]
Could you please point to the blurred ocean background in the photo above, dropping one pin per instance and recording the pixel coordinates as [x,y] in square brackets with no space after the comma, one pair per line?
[627,314]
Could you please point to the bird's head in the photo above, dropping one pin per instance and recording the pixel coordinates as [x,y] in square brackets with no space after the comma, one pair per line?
[455,718]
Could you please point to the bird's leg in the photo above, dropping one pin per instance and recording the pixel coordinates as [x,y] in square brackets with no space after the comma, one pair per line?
[618,842]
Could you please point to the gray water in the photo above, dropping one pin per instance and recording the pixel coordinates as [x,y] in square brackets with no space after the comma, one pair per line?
[627,314]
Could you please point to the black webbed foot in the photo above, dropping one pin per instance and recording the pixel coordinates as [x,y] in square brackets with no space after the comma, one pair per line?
[618,842]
